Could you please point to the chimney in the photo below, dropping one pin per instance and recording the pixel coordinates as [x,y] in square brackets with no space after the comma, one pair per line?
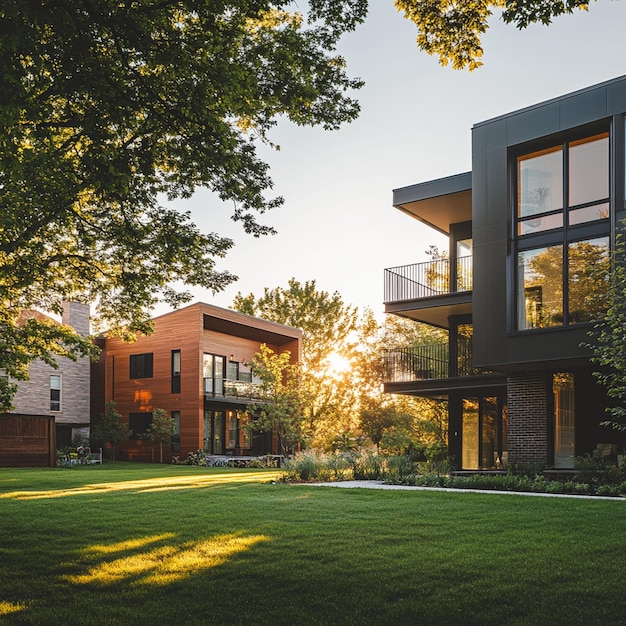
[76,315]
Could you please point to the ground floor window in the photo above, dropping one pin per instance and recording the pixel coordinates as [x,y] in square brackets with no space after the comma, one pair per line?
[139,423]
[564,419]
[483,433]
[214,428]
[227,432]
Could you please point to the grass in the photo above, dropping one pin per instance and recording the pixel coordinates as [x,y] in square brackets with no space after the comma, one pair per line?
[146,544]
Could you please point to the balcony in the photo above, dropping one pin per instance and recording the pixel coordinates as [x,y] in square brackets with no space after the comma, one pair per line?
[429,279]
[232,389]
[428,362]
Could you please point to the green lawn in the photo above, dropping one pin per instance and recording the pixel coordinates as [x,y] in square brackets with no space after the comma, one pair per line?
[137,544]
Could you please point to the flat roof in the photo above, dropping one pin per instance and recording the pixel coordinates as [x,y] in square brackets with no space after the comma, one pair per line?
[438,203]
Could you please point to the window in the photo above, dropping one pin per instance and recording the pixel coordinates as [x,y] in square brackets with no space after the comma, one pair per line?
[138,423]
[141,365]
[245,372]
[227,377]
[562,227]
[175,371]
[213,374]
[233,430]
[232,370]
[564,419]
[55,392]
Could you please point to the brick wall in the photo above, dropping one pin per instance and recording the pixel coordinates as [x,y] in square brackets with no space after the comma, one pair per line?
[33,396]
[527,418]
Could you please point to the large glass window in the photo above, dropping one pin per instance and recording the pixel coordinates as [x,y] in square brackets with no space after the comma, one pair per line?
[588,170]
[213,374]
[540,287]
[562,227]
[564,418]
[540,182]
[470,436]
[484,433]
[588,275]
[233,431]
[214,423]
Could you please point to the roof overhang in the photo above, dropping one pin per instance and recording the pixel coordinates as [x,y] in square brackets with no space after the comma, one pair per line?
[252,328]
[438,203]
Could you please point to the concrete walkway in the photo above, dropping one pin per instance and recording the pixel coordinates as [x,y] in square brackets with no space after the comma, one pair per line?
[377,484]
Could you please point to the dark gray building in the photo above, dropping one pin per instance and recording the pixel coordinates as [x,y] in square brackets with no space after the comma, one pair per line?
[531,229]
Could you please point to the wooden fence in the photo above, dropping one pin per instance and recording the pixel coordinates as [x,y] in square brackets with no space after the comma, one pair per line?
[27,441]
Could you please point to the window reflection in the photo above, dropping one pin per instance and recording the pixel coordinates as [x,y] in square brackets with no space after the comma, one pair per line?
[540,287]
[564,433]
[540,182]
[589,170]
[553,289]
[588,278]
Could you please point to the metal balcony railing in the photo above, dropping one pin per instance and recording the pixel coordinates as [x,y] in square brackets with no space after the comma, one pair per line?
[224,387]
[428,362]
[424,280]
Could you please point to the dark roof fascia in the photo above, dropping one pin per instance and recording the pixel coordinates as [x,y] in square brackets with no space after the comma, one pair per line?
[561,98]
[432,189]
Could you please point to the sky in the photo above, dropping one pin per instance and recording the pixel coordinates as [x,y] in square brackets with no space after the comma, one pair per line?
[337,225]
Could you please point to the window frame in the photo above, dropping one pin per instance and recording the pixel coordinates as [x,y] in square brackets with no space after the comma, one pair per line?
[57,402]
[568,233]
[175,371]
[141,366]
[139,416]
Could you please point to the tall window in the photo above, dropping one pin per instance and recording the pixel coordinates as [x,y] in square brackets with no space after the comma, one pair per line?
[141,365]
[564,419]
[213,374]
[55,392]
[175,371]
[562,227]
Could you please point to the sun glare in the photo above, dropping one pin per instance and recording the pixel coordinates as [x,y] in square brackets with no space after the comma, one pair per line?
[338,364]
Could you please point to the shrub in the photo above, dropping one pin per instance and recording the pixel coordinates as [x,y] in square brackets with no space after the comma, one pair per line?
[398,467]
[193,458]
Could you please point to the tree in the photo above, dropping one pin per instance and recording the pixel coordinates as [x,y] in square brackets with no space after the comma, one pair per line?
[282,412]
[326,321]
[328,326]
[110,431]
[609,339]
[107,107]
[452,30]
[161,429]
[409,422]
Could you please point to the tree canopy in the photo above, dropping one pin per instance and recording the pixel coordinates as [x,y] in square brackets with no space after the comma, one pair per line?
[452,30]
[108,107]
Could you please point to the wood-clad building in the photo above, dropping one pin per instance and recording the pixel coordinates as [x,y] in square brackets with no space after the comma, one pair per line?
[196,366]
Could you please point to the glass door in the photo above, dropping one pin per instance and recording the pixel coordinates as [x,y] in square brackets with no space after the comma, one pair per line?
[484,433]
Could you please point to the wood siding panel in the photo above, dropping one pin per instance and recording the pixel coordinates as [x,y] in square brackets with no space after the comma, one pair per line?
[27,441]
